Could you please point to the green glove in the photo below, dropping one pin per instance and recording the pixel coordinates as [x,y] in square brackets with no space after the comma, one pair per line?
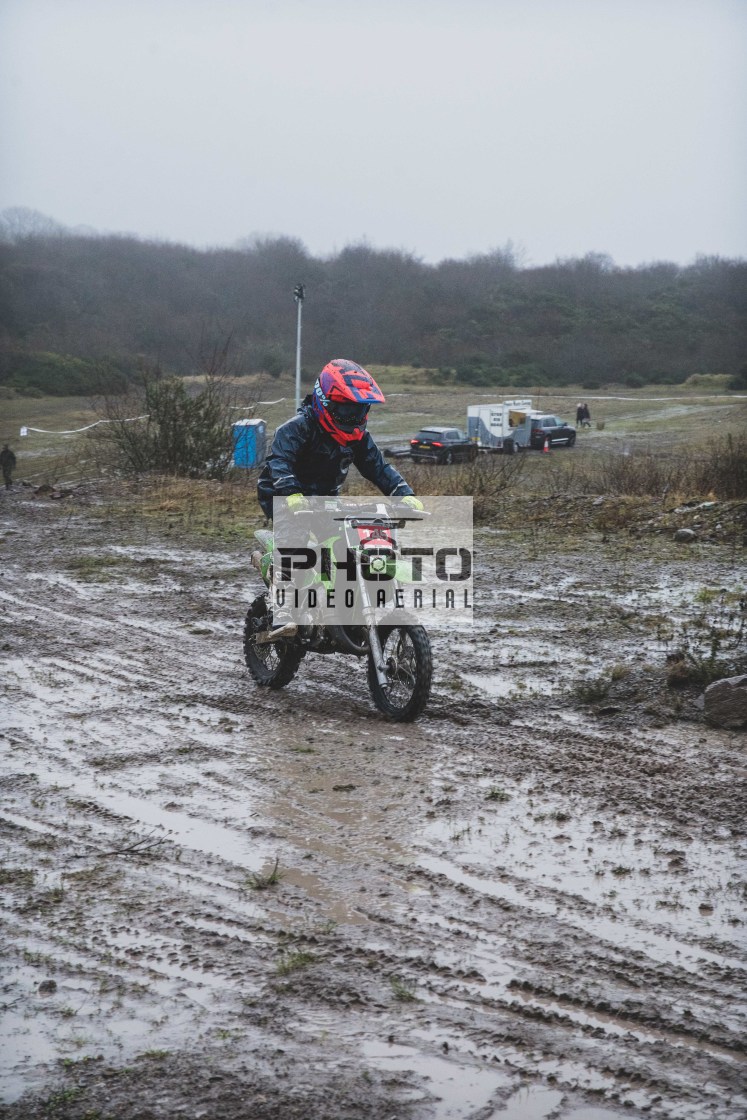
[412,502]
[297,502]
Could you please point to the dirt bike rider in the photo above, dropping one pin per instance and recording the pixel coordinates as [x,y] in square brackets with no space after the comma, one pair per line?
[311,453]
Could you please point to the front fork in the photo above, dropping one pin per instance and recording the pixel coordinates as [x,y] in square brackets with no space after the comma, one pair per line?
[377,653]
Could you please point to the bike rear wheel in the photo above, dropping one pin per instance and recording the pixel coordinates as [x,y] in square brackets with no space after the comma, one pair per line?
[409,671]
[271,664]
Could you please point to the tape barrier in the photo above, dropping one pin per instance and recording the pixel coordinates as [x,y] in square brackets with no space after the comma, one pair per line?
[246,407]
[129,420]
[74,431]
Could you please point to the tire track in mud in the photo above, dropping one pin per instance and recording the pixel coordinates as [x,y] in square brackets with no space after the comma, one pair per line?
[393,920]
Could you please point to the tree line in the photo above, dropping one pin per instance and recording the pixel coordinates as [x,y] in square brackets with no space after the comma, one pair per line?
[79,311]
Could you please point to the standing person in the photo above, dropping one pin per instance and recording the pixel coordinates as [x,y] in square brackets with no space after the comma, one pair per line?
[579,414]
[586,416]
[311,453]
[8,464]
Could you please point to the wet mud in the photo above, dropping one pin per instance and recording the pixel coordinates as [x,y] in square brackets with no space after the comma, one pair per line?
[220,901]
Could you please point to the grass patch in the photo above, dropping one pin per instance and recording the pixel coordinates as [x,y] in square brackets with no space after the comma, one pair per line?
[61,1099]
[401,991]
[497,794]
[46,456]
[711,645]
[592,691]
[294,962]
[93,568]
[262,882]
[16,877]
[221,511]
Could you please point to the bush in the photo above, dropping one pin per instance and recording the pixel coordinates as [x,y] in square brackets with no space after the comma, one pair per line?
[711,645]
[669,377]
[523,375]
[274,362]
[715,470]
[441,376]
[739,380]
[707,382]
[475,373]
[487,480]
[722,469]
[60,375]
[175,433]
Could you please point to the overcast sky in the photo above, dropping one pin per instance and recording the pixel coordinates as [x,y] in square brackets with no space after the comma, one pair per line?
[442,127]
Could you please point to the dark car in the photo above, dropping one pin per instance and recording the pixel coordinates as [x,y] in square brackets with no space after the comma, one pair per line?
[552,428]
[441,445]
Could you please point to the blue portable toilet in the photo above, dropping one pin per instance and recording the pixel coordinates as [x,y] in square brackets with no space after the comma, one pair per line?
[249,443]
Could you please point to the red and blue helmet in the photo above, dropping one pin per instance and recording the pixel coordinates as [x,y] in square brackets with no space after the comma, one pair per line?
[342,396]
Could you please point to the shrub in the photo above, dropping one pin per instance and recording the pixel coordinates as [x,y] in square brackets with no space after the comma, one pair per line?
[739,380]
[162,428]
[441,376]
[711,645]
[274,362]
[645,474]
[41,374]
[475,373]
[722,469]
[486,480]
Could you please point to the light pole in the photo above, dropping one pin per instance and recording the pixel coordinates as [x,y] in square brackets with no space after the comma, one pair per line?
[299,296]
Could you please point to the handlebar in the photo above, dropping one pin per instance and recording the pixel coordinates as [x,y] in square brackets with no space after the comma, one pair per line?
[379,512]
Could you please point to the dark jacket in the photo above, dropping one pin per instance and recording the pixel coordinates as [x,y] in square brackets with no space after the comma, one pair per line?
[304,459]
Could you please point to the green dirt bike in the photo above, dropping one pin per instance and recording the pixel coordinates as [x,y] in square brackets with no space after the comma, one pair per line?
[399,656]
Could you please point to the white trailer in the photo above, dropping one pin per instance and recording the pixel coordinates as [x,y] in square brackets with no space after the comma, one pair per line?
[502,427]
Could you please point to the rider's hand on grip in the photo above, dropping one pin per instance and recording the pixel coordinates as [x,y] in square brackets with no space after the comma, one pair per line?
[297,503]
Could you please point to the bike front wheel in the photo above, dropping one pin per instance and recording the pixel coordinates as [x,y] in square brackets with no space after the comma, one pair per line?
[409,669]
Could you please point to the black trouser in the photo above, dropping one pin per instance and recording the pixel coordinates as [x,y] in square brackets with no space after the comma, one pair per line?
[6,478]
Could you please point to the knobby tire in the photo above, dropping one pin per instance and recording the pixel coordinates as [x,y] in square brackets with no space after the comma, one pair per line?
[414,675]
[274,664]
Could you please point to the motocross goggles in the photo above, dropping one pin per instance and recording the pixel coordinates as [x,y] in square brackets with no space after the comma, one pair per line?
[348,414]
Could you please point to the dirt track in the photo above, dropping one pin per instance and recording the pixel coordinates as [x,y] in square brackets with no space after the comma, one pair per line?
[528,905]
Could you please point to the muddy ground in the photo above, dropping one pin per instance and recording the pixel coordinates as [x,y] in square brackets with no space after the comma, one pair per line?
[530,904]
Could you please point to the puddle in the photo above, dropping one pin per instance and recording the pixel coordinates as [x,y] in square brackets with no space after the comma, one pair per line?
[530,1103]
[501,684]
[590,1114]
[691,889]
[535,1103]
[81,1019]
[195,833]
[624,935]
[459,1089]
[188,560]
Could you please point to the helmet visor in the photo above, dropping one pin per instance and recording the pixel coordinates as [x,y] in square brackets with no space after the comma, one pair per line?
[348,414]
